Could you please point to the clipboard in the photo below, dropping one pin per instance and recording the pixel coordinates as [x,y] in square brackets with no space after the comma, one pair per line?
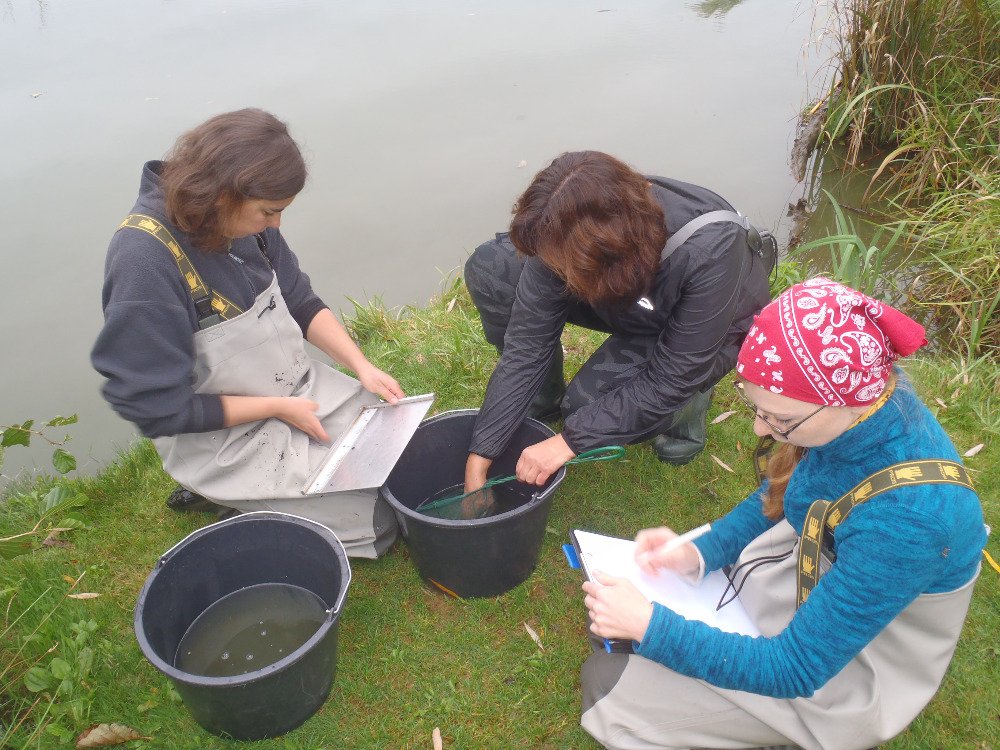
[366,452]
[575,559]
[616,557]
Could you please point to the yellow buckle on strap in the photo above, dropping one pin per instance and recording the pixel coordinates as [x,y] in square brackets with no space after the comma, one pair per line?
[200,292]
[824,516]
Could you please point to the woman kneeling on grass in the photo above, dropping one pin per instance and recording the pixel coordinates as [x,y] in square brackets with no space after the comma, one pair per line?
[844,662]
[206,318]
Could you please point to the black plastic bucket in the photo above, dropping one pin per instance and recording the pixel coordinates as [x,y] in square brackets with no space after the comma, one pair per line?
[482,557]
[218,560]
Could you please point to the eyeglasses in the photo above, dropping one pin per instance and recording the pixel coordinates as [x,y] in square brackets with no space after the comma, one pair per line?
[782,432]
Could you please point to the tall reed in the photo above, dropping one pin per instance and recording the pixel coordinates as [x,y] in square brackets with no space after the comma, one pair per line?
[919,80]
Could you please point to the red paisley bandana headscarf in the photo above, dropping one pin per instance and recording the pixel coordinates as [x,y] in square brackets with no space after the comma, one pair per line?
[825,343]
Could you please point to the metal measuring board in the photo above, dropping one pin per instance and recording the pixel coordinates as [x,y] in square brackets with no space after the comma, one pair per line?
[367,451]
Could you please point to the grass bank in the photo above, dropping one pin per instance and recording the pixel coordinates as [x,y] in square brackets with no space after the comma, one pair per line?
[918,82]
[412,659]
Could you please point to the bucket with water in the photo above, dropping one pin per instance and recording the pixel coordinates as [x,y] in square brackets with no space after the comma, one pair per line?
[242,616]
[475,556]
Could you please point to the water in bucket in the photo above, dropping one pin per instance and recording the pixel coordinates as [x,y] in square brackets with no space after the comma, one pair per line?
[498,495]
[249,629]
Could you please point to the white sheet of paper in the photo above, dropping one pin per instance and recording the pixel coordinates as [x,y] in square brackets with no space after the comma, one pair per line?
[616,557]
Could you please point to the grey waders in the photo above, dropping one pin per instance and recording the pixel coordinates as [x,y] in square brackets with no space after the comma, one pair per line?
[264,465]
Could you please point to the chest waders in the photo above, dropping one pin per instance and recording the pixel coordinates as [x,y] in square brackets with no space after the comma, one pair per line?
[882,689]
[873,698]
[264,465]
[824,516]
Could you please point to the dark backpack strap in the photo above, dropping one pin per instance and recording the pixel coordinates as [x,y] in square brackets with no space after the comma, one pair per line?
[682,235]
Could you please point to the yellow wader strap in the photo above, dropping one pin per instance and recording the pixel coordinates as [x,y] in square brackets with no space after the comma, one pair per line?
[824,516]
[212,307]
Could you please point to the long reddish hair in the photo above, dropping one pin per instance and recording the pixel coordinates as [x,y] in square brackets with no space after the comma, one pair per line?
[780,467]
[226,160]
[594,221]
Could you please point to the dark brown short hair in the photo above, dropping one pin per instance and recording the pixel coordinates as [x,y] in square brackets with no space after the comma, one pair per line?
[594,221]
[230,158]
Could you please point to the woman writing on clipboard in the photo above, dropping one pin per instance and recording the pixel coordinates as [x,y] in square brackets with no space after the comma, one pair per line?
[858,626]
[206,318]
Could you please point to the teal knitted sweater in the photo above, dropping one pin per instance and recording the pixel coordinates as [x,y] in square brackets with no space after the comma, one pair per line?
[889,550]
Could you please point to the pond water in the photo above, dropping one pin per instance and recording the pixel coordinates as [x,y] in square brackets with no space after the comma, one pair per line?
[421,122]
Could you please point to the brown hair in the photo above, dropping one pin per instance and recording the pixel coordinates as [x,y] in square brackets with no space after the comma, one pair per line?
[592,220]
[226,160]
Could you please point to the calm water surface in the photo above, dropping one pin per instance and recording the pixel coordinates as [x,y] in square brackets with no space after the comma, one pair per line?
[420,121]
[249,629]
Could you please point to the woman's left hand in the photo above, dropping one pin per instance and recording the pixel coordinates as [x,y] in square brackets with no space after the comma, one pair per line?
[617,608]
[380,383]
[539,461]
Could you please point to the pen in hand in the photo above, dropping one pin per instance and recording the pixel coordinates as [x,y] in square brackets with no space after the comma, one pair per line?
[664,549]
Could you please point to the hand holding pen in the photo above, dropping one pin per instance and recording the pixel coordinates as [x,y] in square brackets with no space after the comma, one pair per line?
[662,548]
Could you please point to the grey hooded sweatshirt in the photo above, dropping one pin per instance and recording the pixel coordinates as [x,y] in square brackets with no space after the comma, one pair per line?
[145,349]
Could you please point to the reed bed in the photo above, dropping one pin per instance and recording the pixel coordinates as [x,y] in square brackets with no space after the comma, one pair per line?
[919,81]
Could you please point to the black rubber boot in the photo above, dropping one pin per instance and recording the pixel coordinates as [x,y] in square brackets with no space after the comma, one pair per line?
[182,499]
[545,406]
[686,436]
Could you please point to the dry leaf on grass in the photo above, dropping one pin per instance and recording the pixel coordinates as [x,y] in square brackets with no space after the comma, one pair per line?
[974,450]
[941,403]
[53,540]
[436,739]
[534,636]
[103,735]
[88,595]
[451,305]
[723,417]
[69,579]
[721,463]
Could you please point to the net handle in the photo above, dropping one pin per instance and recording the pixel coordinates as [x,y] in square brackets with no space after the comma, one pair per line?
[607,453]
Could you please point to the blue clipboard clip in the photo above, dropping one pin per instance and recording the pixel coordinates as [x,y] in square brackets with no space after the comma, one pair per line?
[571,556]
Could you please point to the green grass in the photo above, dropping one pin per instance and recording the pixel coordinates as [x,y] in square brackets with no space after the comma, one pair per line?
[411,659]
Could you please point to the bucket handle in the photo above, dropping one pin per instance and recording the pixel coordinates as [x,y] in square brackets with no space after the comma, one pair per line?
[198,532]
[166,555]
[337,607]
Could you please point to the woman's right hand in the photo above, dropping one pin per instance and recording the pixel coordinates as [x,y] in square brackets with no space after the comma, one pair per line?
[652,554]
[301,414]
[476,469]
